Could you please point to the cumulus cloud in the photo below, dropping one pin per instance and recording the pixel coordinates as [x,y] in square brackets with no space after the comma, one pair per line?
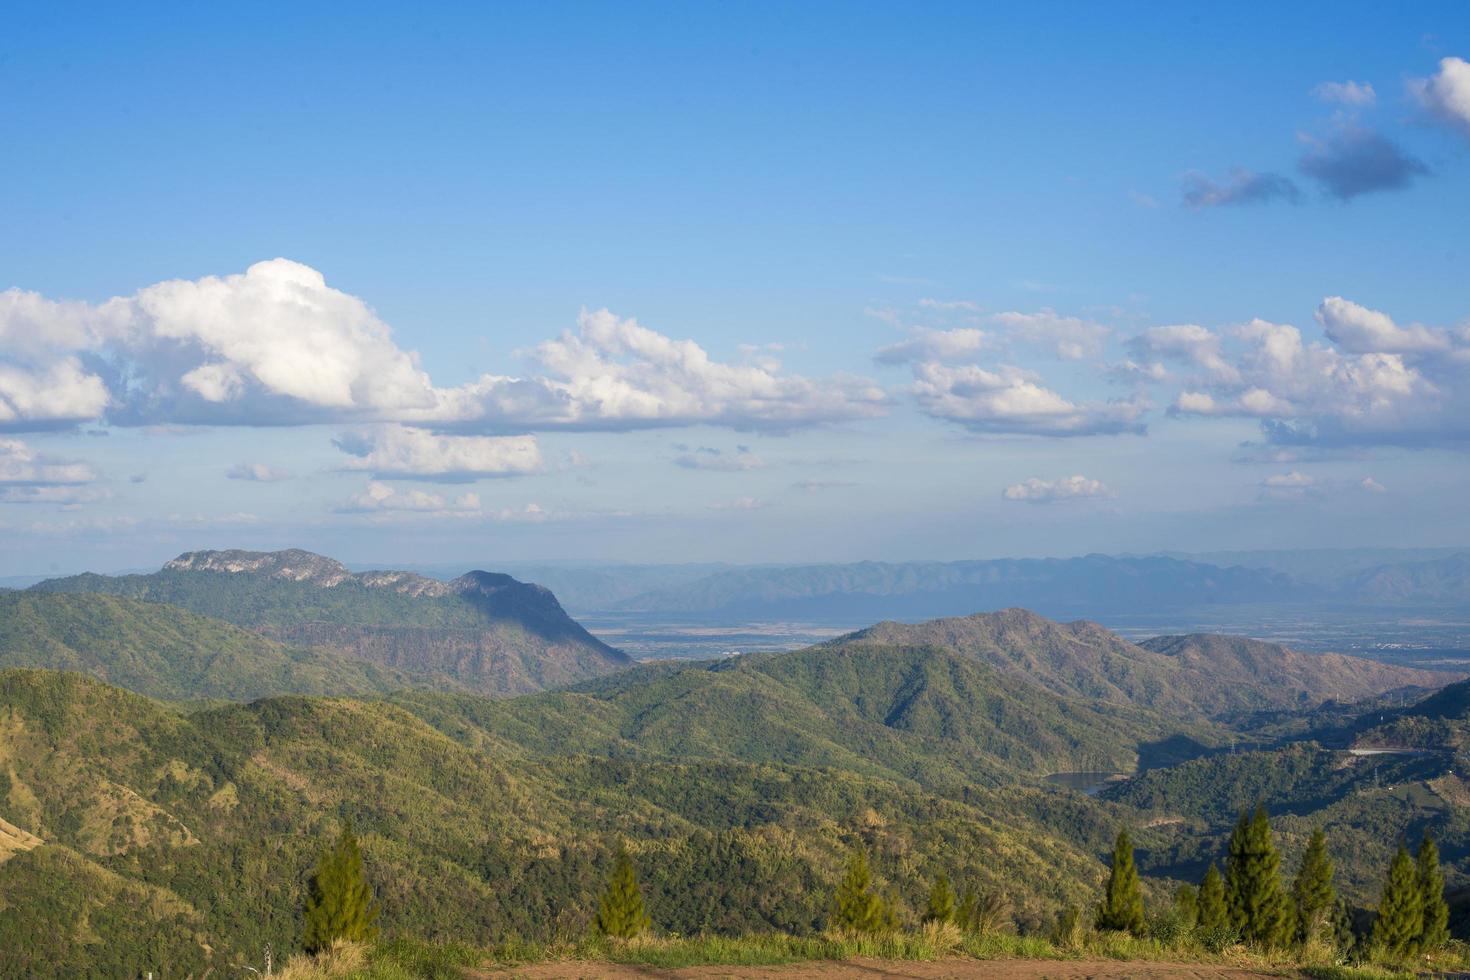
[709,458]
[1068,337]
[277,345]
[402,452]
[926,344]
[257,473]
[1446,94]
[1349,93]
[1038,491]
[20,465]
[1240,186]
[1357,328]
[1186,342]
[379,497]
[1374,382]
[1372,486]
[1355,161]
[1012,400]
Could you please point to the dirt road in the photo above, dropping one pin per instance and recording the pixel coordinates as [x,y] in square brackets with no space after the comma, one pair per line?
[890,970]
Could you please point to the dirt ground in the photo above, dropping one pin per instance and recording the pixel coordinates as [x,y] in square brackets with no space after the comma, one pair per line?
[889,970]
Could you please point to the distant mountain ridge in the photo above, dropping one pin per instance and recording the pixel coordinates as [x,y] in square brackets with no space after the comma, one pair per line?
[1203,674]
[484,631]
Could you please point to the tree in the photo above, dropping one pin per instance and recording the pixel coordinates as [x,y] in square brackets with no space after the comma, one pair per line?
[1259,907]
[1400,919]
[1214,914]
[339,900]
[1122,904]
[620,913]
[1344,930]
[1186,906]
[856,905]
[941,902]
[1434,932]
[1312,891]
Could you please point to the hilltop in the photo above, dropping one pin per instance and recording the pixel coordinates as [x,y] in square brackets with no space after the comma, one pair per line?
[1184,675]
[484,631]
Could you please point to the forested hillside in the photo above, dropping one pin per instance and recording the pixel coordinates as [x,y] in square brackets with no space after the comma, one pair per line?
[167,652]
[483,631]
[1192,675]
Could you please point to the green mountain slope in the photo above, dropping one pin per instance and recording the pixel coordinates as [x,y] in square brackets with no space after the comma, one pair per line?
[218,815]
[484,631]
[926,716]
[166,652]
[1184,676]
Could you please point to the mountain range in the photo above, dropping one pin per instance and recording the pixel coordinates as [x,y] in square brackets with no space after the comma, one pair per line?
[137,832]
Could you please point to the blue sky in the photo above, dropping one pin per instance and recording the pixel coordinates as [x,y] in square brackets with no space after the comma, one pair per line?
[962,280]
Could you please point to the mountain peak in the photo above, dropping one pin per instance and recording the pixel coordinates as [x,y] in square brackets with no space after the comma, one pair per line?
[293,563]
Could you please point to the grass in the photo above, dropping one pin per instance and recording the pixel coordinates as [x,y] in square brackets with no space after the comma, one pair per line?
[410,959]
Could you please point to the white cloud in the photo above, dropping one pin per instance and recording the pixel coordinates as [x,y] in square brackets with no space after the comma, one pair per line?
[1359,329]
[257,473]
[1294,485]
[1038,491]
[401,452]
[1372,486]
[1068,337]
[617,374]
[20,465]
[1374,382]
[1346,93]
[950,305]
[1011,400]
[379,497]
[1189,343]
[926,344]
[1446,94]
[277,345]
[43,394]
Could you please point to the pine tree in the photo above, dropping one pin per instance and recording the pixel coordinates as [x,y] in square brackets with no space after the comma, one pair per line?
[1312,891]
[1122,905]
[1186,906]
[941,902]
[620,913]
[1214,914]
[1434,932]
[1400,919]
[1344,930]
[339,901]
[856,906]
[1259,907]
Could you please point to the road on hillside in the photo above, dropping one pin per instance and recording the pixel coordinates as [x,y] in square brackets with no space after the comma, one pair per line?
[864,969]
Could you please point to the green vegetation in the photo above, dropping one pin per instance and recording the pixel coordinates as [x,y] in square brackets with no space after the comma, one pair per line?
[484,632]
[941,906]
[1312,890]
[339,902]
[1400,919]
[166,652]
[1259,908]
[1122,904]
[856,905]
[1434,912]
[620,913]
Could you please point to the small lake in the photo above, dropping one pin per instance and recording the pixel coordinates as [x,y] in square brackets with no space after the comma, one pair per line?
[1090,783]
